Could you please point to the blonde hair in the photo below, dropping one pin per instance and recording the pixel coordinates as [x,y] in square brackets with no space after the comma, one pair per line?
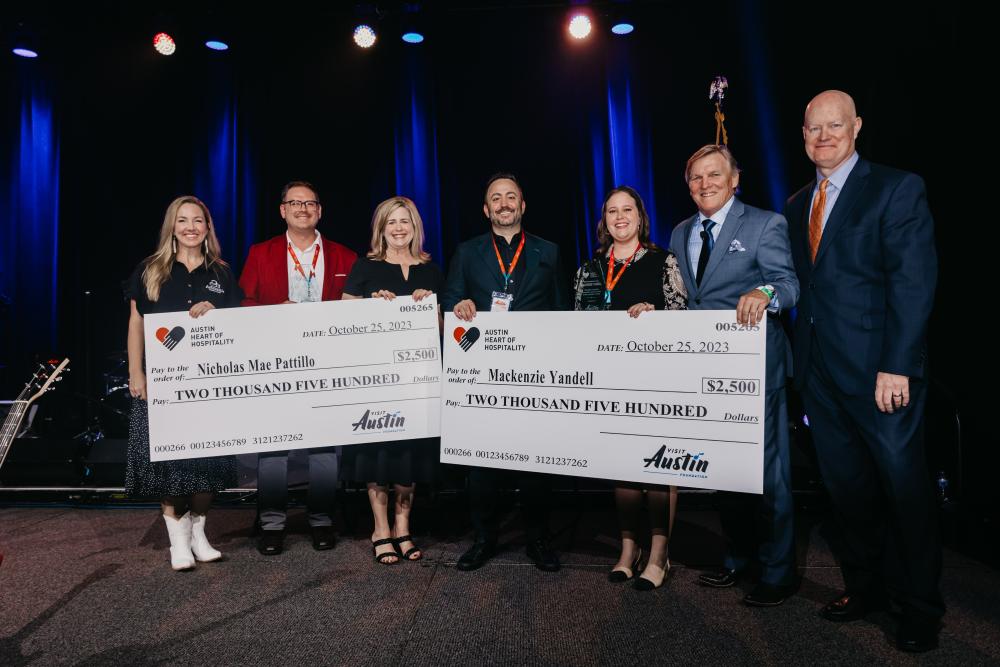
[381,217]
[161,262]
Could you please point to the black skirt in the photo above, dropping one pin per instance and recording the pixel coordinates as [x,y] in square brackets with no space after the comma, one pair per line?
[148,479]
[403,462]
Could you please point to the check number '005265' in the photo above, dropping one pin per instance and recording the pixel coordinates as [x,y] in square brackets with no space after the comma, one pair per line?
[417,354]
[731,386]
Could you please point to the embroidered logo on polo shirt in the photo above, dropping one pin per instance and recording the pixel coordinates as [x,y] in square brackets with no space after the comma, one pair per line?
[214,286]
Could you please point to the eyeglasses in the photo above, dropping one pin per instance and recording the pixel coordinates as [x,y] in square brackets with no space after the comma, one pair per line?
[310,204]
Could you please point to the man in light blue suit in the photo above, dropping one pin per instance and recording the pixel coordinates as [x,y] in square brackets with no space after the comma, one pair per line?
[734,256]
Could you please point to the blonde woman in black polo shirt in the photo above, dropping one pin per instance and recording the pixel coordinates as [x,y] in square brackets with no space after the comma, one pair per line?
[186,273]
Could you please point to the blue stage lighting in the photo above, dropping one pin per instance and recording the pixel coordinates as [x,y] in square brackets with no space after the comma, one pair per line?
[412,37]
[24,53]
[622,28]
[217,45]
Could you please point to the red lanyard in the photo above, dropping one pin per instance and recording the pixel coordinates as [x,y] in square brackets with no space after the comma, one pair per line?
[517,255]
[610,280]
[298,265]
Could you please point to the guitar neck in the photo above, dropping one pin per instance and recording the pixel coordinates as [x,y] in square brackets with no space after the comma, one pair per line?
[10,427]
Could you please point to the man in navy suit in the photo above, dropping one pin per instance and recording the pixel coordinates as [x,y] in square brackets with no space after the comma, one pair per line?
[863,242]
[734,256]
[506,269]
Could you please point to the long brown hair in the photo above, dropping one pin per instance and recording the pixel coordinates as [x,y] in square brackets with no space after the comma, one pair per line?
[161,262]
[379,220]
[604,238]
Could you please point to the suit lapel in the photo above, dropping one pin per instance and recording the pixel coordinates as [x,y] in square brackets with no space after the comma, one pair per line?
[800,209]
[533,256]
[846,202]
[279,261]
[730,228]
[682,253]
[488,257]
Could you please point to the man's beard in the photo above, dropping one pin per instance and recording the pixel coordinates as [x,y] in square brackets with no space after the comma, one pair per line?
[514,221]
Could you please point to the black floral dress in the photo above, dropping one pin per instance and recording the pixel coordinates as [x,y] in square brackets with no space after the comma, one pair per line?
[145,478]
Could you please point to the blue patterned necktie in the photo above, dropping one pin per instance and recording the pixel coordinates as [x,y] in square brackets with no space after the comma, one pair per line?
[707,243]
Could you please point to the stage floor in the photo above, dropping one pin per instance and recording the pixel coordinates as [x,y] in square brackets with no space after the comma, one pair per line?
[93,586]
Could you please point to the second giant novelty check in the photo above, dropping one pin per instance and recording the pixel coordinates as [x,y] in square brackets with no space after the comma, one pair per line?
[267,378]
[672,397]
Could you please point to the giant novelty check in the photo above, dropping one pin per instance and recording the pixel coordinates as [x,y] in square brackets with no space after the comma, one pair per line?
[243,380]
[672,397]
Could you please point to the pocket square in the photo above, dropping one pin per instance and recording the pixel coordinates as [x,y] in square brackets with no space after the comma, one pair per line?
[736,246]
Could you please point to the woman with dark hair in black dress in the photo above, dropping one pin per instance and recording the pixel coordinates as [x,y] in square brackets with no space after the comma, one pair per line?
[628,272]
[395,266]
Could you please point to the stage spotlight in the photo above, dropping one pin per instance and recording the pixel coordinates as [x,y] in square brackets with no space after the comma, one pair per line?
[164,44]
[412,37]
[364,36]
[622,28]
[217,45]
[579,26]
[24,52]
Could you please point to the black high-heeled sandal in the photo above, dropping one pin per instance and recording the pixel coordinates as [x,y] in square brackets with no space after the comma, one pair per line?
[397,544]
[383,557]
[621,575]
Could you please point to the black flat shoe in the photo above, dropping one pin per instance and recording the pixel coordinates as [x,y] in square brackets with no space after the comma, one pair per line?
[620,575]
[544,557]
[647,581]
[767,595]
[408,554]
[917,635]
[719,578]
[271,542]
[323,538]
[383,558]
[476,556]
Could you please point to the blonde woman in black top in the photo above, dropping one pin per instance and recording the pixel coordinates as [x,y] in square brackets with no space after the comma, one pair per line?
[186,273]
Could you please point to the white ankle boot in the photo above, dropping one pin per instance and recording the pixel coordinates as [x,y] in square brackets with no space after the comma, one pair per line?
[202,550]
[179,531]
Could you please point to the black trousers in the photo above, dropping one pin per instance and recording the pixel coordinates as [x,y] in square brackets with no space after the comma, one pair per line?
[484,493]
[875,469]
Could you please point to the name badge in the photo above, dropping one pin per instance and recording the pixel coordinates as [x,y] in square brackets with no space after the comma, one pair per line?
[501,301]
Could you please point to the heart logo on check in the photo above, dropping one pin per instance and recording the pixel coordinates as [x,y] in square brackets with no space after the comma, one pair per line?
[466,337]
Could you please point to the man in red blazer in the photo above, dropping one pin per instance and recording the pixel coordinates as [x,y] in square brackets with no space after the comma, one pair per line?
[291,268]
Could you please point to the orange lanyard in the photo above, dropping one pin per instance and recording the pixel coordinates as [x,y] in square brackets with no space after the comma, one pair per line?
[517,255]
[298,265]
[610,279]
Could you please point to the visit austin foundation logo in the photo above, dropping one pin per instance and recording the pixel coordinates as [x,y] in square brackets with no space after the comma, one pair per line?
[170,337]
[380,421]
[679,462]
[466,338]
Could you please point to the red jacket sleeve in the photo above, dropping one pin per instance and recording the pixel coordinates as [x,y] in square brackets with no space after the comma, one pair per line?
[250,277]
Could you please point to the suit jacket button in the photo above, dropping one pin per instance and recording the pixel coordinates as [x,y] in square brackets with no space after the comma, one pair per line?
[697,301]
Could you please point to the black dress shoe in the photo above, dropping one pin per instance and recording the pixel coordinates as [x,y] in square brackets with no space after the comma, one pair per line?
[543,555]
[719,578]
[917,635]
[271,542]
[767,595]
[323,538]
[476,556]
[851,607]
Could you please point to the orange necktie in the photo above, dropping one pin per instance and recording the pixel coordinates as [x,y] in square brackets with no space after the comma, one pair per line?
[816,219]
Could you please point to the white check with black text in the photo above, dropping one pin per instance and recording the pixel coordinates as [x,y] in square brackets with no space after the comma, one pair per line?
[267,378]
[672,397]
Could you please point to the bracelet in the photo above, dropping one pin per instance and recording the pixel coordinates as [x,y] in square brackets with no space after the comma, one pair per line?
[768,290]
